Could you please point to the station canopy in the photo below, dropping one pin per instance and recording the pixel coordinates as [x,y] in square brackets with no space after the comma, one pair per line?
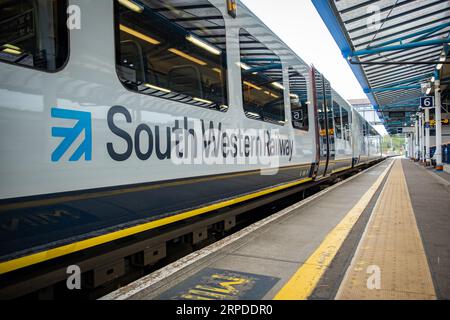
[394,48]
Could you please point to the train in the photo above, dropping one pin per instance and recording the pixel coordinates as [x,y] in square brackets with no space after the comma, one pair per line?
[118,117]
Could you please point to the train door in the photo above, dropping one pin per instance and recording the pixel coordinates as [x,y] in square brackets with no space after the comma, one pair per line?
[321,111]
[328,99]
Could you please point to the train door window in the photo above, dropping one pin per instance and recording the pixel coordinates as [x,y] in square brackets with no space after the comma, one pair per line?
[33,33]
[330,119]
[299,100]
[321,113]
[262,81]
[337,120]
[172,50]
[345,116]
[372,136]
[350,124]
[362,135]
[329,107]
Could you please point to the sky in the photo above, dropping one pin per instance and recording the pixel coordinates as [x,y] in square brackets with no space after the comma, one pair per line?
[299,25]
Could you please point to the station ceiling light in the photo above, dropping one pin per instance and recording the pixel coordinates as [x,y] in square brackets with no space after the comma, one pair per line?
[138,34]
[278,85]
[151,86]
[202,100]
[244,66]
[133,6]
[251,85]
[187,56]
[11,49]
[442,58]
[253,114]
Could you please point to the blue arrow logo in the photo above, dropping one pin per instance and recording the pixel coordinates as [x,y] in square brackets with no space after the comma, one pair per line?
[71,134]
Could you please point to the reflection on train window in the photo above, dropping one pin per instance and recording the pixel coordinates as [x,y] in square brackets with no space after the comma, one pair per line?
[345,115]
[172,50]
[299,100]
[337,120]
[262,81]
[329,108]
[320,106]
[33,33]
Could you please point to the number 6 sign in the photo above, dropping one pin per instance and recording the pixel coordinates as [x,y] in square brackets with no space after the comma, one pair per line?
[427,102]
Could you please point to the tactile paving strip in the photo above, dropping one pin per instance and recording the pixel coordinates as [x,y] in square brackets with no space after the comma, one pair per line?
[390,262]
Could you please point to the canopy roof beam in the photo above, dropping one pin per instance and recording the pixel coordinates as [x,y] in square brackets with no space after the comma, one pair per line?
[404,46]
[421,35]
[383,89]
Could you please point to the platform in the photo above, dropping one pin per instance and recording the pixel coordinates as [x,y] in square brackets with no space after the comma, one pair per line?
[382,234]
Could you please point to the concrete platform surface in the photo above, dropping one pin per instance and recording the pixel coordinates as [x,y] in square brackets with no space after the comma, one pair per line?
[394,216]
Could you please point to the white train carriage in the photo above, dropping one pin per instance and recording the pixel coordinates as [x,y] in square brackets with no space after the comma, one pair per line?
[143,113]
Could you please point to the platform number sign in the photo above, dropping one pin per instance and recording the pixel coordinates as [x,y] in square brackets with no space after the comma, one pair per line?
[427,102]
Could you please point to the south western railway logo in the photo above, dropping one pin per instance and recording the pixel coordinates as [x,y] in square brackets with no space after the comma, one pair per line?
[185,139]
[80,122]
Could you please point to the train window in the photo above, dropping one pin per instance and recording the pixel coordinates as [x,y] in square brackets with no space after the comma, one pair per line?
[172,50]
[262,81]
[337,120]
[299,100]
[34,33]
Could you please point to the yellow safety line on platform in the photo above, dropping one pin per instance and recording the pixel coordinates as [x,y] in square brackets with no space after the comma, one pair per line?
[305,279]
[390,262]
[25,261]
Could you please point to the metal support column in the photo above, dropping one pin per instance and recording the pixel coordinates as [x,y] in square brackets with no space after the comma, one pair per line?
[408,145]
[416,139]
[437,103]
[427,137]
[421,137]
